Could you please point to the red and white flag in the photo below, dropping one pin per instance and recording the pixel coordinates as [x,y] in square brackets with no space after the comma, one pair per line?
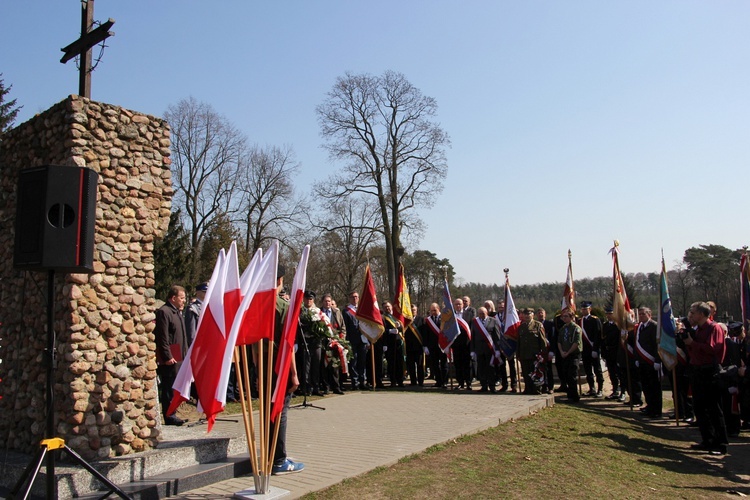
[511,322]
[256,319]
[211,345]
[184,379]
[623,314]
[368,312]
[288,336]
[569,294]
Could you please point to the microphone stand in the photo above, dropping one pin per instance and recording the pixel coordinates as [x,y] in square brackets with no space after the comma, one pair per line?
[306,376]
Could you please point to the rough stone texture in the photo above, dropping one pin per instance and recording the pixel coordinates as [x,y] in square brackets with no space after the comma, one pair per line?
[105,391]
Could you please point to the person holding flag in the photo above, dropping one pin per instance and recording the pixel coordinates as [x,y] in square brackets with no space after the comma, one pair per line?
[371,325]
[394,346]
[415,348]
[485,340]
[649,363]
[569,341]
[431,337]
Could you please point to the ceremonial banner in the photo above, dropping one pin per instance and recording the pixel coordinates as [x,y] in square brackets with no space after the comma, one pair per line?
[402,301]
[745,290]
[512,321]
[368,312]
[288,336]
[448,323]
[667,325]
[623,314]
[569,294]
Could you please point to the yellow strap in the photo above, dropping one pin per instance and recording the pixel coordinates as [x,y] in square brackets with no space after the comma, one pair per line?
[54,443]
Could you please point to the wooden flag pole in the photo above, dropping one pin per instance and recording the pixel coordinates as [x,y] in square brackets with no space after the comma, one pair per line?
[240,356]
[674,395]
[262,422]
[270,445]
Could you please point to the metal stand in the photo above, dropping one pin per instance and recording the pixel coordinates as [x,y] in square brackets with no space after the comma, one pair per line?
[51,443]
[305,358]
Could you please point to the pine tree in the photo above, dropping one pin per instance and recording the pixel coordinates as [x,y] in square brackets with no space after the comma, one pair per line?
[8,110]
[172,258]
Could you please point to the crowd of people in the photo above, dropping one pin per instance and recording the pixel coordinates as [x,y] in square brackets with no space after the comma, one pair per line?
[333,356]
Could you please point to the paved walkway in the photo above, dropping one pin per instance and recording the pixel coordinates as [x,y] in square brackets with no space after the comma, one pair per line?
[364,430]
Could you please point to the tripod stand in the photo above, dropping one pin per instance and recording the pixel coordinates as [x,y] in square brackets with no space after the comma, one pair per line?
[50,444]
[305,372]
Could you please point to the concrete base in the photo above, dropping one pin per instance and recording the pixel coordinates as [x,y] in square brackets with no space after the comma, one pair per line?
[273,492]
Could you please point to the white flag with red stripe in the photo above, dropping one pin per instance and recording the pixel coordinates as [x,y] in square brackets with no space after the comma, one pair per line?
[288,336]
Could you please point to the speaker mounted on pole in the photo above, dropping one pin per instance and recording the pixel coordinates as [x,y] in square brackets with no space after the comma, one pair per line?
[55,219]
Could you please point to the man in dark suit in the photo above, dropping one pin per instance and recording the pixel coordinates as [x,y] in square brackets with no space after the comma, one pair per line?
[649,363]
[460,346]
[415,349]
[549,332]
[338,328]
[358,366]
[430,335]
[485,339]
[171,347]
[592,346]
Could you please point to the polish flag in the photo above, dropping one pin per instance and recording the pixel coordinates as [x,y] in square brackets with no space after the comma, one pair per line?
[257,319]
[510,324]
[184,379]
[288,336]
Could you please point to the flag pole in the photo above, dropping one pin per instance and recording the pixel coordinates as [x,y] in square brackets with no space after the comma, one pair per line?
[578,365]
[240,355]
[616,274]
[658,341]
[516,362]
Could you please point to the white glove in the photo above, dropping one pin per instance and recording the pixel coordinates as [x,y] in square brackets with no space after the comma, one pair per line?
[474,356]
[426,350]
[497,355]
[393,331]
[385,348]
[594,355]
[551,356]
[657,367]
[295,348]
[733,390]
[637,364]
[365,339]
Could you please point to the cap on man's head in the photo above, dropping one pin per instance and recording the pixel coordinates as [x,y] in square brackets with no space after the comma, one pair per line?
[609,309]
[528,310]
[309,294]
[280,271]
[586,303]
[201,287]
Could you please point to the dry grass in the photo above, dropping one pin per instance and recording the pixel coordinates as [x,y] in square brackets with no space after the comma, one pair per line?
[596,450]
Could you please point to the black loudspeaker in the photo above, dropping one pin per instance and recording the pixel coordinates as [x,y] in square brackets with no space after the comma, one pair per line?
[55,216]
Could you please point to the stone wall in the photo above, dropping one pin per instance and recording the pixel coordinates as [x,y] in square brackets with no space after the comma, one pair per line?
[106,400]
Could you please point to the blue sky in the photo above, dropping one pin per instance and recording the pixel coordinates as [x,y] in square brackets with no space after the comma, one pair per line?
[571,123]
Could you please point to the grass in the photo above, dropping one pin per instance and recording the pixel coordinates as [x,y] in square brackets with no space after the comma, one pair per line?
[587,451]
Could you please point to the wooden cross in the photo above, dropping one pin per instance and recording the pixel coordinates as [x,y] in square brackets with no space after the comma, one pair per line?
[82,46]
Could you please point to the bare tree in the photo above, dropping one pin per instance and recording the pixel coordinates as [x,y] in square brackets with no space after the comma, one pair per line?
[269,207]
[206,152]
[382,129]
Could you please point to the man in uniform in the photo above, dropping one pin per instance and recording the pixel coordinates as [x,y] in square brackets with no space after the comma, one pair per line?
[610,353]
[531,342]
[549,333]
[591,328]
[569,340]
[171,347]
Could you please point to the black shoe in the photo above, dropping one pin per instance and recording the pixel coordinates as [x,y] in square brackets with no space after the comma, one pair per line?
[338,391]
[504,388]
[172,420]
[719,449]
[701,446]
[318,393]
[561,389]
